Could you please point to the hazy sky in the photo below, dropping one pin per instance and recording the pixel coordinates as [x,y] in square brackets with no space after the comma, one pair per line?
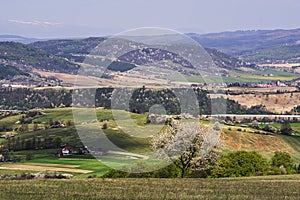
[75,18]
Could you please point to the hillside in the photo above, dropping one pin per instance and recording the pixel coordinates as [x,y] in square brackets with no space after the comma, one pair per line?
[41,63]
[77,49]
[8,72]
[39,138]
[69,48]
[26,58]
[226,61]
[56,58]
[279,54]
[242,42]
[233,139]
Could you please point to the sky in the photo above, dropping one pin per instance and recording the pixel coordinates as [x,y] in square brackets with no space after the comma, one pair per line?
[82,18]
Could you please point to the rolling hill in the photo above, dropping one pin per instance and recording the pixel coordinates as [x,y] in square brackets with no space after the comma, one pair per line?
[65,56]
[169,63]
[77,49]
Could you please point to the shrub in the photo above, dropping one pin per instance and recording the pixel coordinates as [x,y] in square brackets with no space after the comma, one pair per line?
[241,163]
[29,156]
[269,128]
[286,129]
[283,159]
[104,126]
[170,171]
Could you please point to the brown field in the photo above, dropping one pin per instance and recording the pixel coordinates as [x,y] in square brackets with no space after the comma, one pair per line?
[43,167]
[238,140]
[53,165]
[283,65]
[269,89]
[70,78]
[128,80]
[276,103]
[125,79]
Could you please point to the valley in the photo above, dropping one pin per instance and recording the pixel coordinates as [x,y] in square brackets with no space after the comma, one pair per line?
[70,111]
[120,100]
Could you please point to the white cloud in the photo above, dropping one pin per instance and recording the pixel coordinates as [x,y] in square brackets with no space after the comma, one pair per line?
[35,23]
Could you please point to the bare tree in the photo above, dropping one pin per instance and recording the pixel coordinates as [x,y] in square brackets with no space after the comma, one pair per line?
[185,143]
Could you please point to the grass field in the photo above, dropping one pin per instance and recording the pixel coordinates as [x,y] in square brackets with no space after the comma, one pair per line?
[66,114]
[258,76]
[271,187]
[10,121]
[78,166]
[233,140]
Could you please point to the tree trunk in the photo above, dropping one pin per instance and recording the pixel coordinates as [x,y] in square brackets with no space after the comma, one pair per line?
[183,172]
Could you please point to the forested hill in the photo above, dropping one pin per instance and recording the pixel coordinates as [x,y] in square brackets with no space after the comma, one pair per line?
[77,49]
[287,53]
[26,57]
[141,101]
[69,48]
[8,72]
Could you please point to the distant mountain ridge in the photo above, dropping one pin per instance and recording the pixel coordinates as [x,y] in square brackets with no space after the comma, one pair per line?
[242,42]
[16,38]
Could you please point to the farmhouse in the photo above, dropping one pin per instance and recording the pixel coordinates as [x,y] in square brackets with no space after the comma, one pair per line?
[83,151]
[65,150]
[2,158]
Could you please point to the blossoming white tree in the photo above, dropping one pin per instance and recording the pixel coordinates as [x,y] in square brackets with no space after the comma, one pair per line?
[186,143]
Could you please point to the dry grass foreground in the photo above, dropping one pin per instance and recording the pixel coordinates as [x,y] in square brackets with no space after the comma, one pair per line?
[271,187]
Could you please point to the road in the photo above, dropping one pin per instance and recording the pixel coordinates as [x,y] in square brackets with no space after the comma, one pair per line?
[252,116]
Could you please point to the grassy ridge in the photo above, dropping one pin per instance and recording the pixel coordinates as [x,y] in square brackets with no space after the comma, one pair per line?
[273,187]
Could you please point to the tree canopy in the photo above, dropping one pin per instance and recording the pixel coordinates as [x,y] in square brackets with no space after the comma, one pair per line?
[185,143]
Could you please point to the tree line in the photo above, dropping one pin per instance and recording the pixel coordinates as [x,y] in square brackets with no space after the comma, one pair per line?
[233,164]
[140,101]
[34,143]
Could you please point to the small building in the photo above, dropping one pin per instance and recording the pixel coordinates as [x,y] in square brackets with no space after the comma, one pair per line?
[65,150]
[2,158]
[83,151]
